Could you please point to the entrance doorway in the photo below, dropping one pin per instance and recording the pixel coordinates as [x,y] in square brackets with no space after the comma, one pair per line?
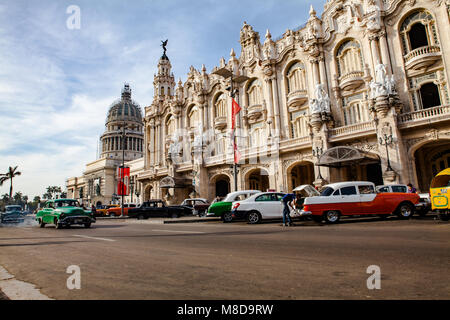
[222,188]
[258,179]
[302,173]
[431,159]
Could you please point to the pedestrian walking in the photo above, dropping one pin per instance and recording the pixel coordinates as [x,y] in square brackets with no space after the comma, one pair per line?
[286,210]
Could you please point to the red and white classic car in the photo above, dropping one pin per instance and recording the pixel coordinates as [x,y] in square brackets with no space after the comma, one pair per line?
[357,198]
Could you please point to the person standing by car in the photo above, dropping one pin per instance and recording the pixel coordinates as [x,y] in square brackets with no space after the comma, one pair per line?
[411,189]
[286,210]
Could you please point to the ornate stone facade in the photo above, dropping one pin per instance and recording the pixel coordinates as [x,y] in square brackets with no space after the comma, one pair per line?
[371,75]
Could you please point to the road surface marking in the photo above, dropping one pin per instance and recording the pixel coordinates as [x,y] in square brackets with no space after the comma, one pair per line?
[94,238]
[180,231]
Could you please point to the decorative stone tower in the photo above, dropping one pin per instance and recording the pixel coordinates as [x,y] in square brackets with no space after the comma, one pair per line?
[164,81]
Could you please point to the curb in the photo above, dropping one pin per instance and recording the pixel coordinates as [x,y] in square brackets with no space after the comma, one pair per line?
[13,289]
[191,221]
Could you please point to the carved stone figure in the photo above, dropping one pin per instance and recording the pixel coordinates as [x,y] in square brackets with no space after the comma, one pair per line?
[374,12]
[380,73]
[322,101]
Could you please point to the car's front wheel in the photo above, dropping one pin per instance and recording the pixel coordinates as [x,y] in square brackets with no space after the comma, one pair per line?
[332,216]
[174,215]
[227,217]
[444,216]
[57,224]
[254,217]
[405,211]
[41,223]
[87,225]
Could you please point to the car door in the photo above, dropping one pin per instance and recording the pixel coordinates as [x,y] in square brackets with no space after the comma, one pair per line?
[48,213]
[264,205]
[349,202]
[367,196]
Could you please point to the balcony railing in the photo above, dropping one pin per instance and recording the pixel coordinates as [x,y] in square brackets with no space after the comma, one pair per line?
[421,51]
[424,114]
[352,79]
[353,128]
[297,96]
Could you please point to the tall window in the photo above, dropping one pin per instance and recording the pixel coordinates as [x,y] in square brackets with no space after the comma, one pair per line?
[171,126]
[257,135]
[429,95]
[220,107]
[349,58]
[254,93]
[299,124]
[296,76]
[355,110]
[193,116]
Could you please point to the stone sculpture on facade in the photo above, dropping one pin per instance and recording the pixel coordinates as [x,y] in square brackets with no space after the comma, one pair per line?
[321,104]
[374,19]
[384,85]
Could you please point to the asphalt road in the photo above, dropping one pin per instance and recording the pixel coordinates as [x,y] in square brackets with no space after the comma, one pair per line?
[123,260]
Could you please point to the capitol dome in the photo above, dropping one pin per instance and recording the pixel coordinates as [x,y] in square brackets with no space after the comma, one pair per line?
[124,109]
[123,112]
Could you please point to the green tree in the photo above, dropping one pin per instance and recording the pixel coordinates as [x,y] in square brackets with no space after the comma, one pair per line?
[10,175]
[18,198]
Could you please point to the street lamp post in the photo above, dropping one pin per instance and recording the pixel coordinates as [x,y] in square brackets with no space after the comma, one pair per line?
[226,73]
[387,140]
[317,153]
[122,177]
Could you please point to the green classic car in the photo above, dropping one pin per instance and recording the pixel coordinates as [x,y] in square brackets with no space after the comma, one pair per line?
[64,213]
[223,208]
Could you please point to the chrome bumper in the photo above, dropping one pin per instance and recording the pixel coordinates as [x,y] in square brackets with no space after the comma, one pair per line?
[83,219]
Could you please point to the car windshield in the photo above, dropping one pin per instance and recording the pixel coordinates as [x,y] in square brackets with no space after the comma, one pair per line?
[67,203]
[13,208]
[327,192]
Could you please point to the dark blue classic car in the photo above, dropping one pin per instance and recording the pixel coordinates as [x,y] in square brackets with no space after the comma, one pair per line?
[12,214]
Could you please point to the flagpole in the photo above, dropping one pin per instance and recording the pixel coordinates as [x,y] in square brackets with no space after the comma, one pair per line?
[234,138]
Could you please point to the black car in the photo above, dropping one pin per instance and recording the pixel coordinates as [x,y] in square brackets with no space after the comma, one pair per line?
[158,208]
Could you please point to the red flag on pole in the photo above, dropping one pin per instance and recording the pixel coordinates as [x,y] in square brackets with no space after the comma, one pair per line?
[235,108]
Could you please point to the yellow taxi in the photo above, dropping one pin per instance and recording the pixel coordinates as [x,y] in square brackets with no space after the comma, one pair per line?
[440,194]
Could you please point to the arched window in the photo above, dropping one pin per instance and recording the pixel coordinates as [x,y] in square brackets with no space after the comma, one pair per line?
[193,117]
[296,77]
[257,135]
[220,106]
[254,93]
[355,110]
[349,58]
[171,126]
[418,30]
[299,124]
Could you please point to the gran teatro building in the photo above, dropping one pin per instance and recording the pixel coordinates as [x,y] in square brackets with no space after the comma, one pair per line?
[359,93]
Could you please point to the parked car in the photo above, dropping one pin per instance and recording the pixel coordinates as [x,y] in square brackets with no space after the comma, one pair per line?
[358,198]
[263,205]
[158,208]
[117,210]
[12,214]
[64,213]
[424,205]
[223,208]
[439,193]
[199,206]
[103,210]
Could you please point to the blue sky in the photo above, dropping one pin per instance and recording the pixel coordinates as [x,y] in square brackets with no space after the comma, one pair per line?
[57,84]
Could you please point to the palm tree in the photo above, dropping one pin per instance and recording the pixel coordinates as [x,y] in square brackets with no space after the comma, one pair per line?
[18,197]
[12,173]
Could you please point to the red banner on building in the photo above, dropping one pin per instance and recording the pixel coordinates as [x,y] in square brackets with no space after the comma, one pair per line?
[123,178]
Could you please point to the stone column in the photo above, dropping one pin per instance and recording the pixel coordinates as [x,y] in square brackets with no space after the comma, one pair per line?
[315,68]
[385,52]
[323,75]
[276,106]
[268,82]
[374,49]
